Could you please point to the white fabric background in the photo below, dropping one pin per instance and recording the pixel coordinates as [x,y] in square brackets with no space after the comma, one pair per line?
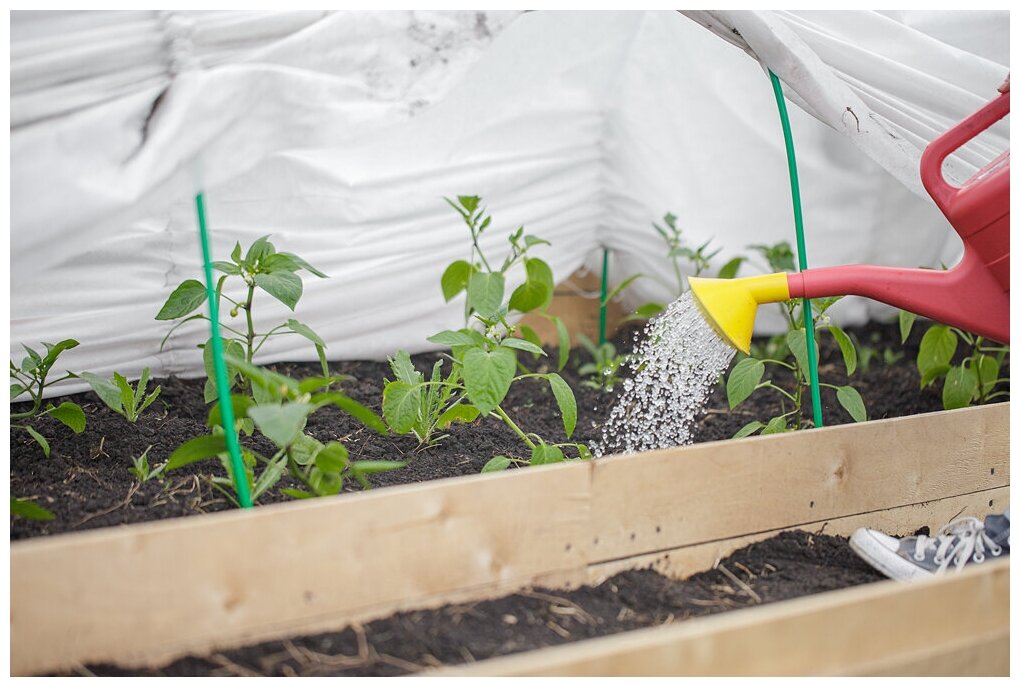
[338,133]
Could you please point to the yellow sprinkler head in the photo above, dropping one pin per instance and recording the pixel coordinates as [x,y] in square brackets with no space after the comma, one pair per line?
[730,305]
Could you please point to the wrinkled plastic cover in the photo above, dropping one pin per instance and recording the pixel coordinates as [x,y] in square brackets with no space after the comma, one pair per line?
[339,134]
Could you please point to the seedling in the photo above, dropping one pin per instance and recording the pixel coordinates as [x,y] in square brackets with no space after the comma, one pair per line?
[141,470]
[975,379]
[485,362]
[748,374]
[120,396]
[604,371]
[423,408]
[262,268]
[281,418]
[32,377]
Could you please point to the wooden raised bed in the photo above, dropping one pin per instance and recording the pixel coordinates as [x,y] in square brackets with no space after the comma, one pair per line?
[232,578]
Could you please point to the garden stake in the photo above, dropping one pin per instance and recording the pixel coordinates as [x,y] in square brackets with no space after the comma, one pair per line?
[798,221]
[602,302]
[219,365]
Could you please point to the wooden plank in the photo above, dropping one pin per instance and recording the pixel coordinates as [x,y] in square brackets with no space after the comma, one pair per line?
[316,565]
[146,593]
[904,520]
[971,656]
[702,493]
[836,633]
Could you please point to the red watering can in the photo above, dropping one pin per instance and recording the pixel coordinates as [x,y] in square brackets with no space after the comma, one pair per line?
[973,295]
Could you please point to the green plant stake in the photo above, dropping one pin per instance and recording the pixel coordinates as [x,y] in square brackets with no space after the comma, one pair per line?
[602,302]
[222,384]
[798,219]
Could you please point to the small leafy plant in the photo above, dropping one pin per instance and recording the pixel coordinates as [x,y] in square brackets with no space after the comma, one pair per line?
[142,471]
[604,371]
[118,394]
[423,408]
[262,268]
[975,379]
[485,362]
[747,376]
[281,418]
[32,377]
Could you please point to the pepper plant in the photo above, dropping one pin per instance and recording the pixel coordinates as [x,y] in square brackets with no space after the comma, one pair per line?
[262,268]
[748,375]
[281,418]
[485,356]
[120,396]
[975,379]
[32,377]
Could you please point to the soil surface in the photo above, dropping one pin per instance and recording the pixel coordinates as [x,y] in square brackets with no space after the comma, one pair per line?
[86,482]
[786,566]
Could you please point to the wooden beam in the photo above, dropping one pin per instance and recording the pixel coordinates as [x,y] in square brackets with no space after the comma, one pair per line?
[887,627]
[316,565]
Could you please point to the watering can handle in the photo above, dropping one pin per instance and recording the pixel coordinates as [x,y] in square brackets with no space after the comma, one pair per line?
[941,191]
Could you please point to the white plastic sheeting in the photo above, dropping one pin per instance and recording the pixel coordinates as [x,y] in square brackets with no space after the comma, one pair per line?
[339,133]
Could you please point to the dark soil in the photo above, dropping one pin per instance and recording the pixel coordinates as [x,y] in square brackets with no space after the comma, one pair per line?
[86,482]
[787,566]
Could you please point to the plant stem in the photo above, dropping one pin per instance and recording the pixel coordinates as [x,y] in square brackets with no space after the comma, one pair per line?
[517,430]
[251,325]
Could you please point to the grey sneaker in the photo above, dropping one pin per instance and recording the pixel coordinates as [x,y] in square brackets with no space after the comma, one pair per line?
[960,543]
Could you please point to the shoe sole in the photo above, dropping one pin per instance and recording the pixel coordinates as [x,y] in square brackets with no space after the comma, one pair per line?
[888,563]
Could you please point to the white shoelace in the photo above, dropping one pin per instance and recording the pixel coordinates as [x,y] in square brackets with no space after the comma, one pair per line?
[957,543]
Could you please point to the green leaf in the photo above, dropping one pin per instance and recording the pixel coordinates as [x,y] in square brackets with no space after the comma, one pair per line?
[403,368]
[288,262]
[645,312]
[455,278]
[305,331]
[401,403]
[960,388]
[184,299]
[987,369]
[281,423]
[749,429]
[620,288]
[269,477]
[238,402]
[485,292]
[451,338]
[937,348]
[563,338]
[285,287]
[730,269]
[496,463]
[531,336]
[487,376]
[54,350]
[851,400]
[933,373]
[469,203]
[776,425]
[846,347]
[17,390]
[227,267]
[356,410]
[127,394]
[258,250]
[332,457]
[522,345]
[371,467]
[461,412]
[543,454]
[565,400]
[39,439]
[906,324]
[71,415]
[796,340]
[743,379]
[29,510]
[304,449]
[106,390]
[537,290]
[297,493]
[235,254]
[194,450]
